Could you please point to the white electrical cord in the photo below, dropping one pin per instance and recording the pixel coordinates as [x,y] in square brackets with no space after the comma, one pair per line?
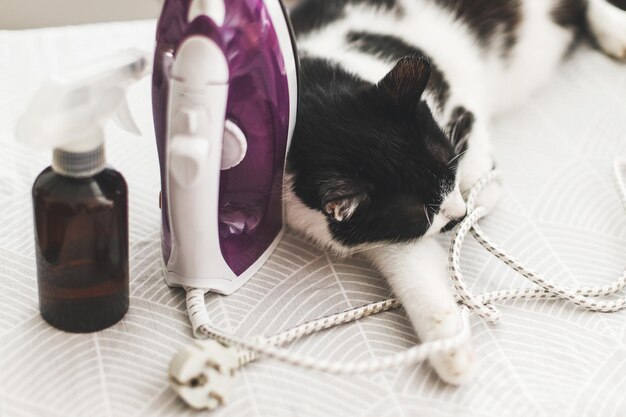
[586,297]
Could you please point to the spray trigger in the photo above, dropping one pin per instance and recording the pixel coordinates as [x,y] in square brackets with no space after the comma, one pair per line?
[124,119]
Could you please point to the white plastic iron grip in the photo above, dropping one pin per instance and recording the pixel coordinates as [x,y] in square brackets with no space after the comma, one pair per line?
[194,158]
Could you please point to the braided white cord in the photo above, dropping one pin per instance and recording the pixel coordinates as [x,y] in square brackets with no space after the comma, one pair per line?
[264,347]
[579,296]
[313,326]
[252,349]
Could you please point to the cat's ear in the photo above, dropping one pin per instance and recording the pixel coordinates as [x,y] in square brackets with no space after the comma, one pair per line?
[406,82]
[341,198]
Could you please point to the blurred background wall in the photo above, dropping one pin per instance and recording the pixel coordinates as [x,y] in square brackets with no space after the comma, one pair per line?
[26,14]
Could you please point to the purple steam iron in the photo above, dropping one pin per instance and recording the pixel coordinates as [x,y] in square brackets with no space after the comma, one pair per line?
[224,99]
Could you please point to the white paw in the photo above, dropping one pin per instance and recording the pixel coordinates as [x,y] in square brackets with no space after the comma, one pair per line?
[608,25]
[472,169]
[457,367]
[489,196]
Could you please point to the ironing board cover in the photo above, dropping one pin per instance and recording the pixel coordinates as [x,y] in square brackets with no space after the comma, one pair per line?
[560,213]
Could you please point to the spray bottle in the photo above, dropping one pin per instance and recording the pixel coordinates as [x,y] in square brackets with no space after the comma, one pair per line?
[81,205]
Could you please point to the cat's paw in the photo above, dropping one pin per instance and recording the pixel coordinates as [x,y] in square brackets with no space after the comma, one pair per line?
[489,196]
[457,367]
[608,25]
[473,168]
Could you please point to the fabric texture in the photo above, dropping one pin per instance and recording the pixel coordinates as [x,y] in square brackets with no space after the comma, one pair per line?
[560,214]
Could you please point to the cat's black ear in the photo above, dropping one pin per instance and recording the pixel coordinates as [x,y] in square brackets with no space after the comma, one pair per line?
[406,82]
[341,198]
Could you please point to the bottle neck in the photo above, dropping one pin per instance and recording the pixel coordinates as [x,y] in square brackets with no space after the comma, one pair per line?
[79,164]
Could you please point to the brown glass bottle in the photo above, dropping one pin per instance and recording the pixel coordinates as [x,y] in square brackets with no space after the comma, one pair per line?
[81,241]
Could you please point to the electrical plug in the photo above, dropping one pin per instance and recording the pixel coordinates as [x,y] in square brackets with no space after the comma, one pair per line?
[203,374]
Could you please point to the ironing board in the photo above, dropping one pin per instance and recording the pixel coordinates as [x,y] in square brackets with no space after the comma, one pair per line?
[559,213]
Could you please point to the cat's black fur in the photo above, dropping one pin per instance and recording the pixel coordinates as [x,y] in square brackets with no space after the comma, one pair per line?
[376,147]
[461,125]
[391,48]
[621,4]
[569,13]
[311,15]
[486,18]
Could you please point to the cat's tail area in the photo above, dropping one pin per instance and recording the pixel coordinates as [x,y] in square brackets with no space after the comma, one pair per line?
[607,23]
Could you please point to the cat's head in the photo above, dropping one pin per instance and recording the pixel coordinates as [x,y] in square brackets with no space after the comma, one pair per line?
[371,158]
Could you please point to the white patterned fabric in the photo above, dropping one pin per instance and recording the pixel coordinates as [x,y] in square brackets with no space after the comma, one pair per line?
[560,214]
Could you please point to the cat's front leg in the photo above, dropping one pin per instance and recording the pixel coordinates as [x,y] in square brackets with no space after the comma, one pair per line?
[607,23]
[471,138]
[417,273]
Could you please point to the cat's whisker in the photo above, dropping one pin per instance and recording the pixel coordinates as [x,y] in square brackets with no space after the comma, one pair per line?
[430,224]
[380,245]
[462,143]
[451,161]
[433,208]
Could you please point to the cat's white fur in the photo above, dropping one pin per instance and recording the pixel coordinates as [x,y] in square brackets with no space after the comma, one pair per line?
[480,81]
[609,26]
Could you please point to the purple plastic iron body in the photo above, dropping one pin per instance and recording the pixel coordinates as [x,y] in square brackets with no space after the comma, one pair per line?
[255,39]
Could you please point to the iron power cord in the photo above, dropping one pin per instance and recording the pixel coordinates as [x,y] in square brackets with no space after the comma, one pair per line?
[203,374]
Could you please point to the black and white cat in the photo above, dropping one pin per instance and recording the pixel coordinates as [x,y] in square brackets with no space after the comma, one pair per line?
[396,101]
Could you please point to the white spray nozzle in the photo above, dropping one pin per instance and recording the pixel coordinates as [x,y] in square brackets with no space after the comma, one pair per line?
[69,111]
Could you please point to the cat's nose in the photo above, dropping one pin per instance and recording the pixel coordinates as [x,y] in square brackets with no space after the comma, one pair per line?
[454,206]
